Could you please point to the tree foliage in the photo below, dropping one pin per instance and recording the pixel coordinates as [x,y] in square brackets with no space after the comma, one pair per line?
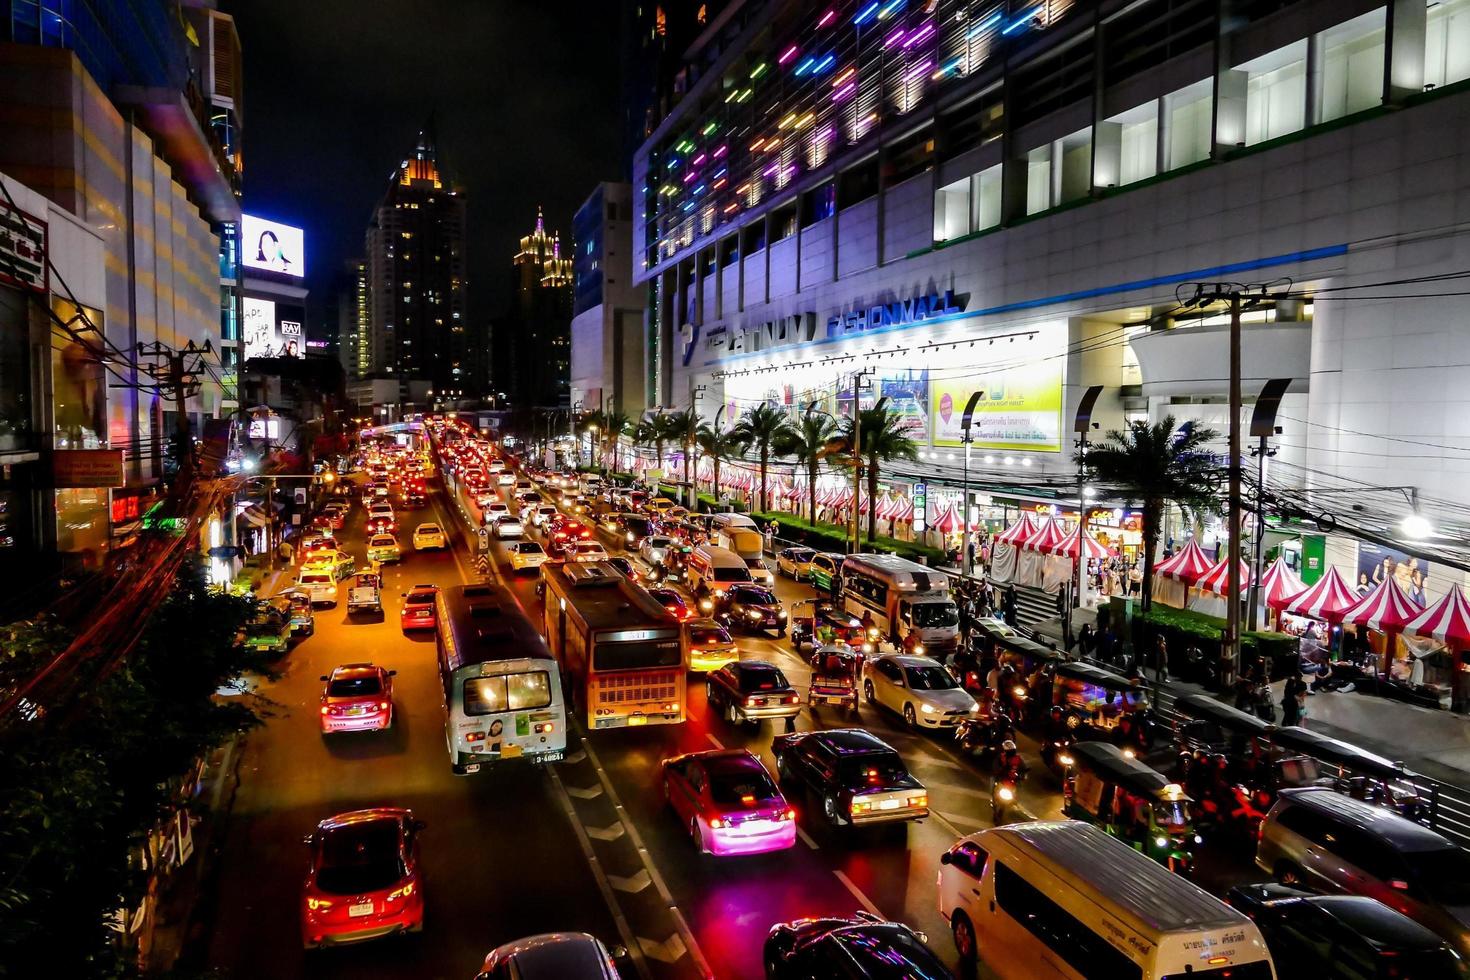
[763,427]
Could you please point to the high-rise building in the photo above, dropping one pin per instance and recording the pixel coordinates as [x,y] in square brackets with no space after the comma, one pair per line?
[416,283]
[607,307]
[534,366]
[354,338]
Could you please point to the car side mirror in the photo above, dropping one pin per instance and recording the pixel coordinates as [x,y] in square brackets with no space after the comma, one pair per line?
[323,677]
[392,673]
[619,954]
[946,858]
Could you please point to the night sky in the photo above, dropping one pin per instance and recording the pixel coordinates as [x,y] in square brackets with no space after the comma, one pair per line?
[525,100]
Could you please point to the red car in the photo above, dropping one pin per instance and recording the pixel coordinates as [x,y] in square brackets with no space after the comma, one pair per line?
[729,803]
[382,524]
[418,608]
[357,698]
[673,602]
[363,880]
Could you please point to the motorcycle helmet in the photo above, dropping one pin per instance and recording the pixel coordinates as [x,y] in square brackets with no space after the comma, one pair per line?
[1056,712]
[1221,763]
[1008,746]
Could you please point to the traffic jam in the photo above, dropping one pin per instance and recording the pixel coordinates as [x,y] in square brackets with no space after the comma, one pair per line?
[1039,809]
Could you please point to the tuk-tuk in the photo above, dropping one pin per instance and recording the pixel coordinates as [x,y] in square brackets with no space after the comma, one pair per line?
[1307,758]
[269,629]
[1101,699]
[1027,668]
[834,676]
[1132,802]
[1211,725]
[816,622]
[298,603]
[366,593]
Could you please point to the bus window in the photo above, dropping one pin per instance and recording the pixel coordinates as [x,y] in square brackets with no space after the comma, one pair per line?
[510,692]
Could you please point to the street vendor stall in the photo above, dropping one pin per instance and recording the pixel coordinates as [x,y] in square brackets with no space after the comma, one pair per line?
[1175,576]
[1448,621]
[1005,550]
[1383,614]
[1079,542]
[1278,585]
[1212,588]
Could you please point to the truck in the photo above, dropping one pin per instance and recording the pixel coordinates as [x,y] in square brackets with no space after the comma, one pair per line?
[751,547]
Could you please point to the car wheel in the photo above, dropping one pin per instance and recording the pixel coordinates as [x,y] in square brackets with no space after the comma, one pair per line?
[830,811]
[964,936]
[868,692]
[908,716]
[1288,874]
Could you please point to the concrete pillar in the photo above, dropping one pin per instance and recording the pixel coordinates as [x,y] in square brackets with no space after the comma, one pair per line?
[1404,48]
[1107,154]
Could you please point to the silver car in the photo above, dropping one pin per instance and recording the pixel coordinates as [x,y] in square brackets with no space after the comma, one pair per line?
[654,548]
[563,955]
[919,688]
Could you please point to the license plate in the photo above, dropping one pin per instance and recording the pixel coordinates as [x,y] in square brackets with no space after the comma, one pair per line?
[890,804]
[357,711]
[362,908]
[637,720]
[510,751]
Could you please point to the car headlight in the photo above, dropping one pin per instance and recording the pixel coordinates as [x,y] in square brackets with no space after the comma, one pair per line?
[1161,842]
[928,709]
[781,613]
[974,709]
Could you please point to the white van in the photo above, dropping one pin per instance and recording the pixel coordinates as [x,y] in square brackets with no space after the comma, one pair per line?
[751,547]
[1065,899]
[319,583]
[713,570]
[902,597]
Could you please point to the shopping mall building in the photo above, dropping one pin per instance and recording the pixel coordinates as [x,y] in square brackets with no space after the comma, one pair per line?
[1017,198]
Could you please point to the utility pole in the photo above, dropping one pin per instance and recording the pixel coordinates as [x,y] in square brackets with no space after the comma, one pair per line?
[859,383]
[1081,425]
[176,375]
[691,473]
[967,439]
[1263,426]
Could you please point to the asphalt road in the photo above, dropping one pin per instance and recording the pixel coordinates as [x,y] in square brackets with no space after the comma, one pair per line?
[587,844]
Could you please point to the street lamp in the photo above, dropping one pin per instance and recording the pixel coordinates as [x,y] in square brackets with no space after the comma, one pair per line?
[965,437]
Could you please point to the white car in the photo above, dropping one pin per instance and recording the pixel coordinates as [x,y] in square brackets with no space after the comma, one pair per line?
[527,554]
[380,509]
[919,688]
[427,536]
[508,526]
[588,551]
[505,479]
[544,513]
[654,548]
[528,498]
[320,584]
[485,498]
[494,510]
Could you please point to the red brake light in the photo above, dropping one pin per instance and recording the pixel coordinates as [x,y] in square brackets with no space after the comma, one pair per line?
[716,823]
[382,705]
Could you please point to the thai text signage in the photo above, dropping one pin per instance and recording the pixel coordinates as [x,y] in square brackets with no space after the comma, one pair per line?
[22,250]
[899,313]
[91,468]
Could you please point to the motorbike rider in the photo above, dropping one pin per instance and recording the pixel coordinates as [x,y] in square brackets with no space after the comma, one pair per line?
[1008,765]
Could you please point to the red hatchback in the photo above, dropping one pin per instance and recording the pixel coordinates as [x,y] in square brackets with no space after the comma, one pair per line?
[363,881]
[418,608]
[729,803]
[357,698]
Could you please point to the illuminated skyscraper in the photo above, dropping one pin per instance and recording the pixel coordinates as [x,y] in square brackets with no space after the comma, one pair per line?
[533,357]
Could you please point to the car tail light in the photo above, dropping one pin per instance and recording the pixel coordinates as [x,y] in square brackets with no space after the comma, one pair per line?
[789,699]
[672,706]
[318,904]
[474,737]
[382,705]
[398,894]
[921,800]
[751,701]
[545,728]
[716,823]
[326,710]
[860,806]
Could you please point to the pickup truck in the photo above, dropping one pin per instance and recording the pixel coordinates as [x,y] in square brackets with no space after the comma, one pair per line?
[366,594]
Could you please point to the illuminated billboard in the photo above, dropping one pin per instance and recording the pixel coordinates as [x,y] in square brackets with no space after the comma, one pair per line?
[1021,408]
[259,333]
[272,246]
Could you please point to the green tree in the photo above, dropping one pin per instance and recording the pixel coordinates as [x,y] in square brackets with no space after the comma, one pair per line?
[806,442]
[720,445]
[1157,464]
[682,428]
[883,441]
[615,426]
[763,427]
[647,433]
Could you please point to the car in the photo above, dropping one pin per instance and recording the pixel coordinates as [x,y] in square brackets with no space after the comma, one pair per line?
[508,526]
[268,630]
[382,524]
[357,698]
[823,570]
[553,956]
[857,776]
[864,946]
[920,689]
[315,543]
[319,583]
[336,515]
[653,548]
[505,478]
[1342,936]
[339,563]
[427,536]
[710,645]
[673,602]
[729,802]
[527,554]
[751,607]
[751,691]
[657,506]
[624,565]
[363,879]
[493,509]
[543,514]
[418,612]
[383,548]
[380,508]
[485,499]
[586,551]
[795,563]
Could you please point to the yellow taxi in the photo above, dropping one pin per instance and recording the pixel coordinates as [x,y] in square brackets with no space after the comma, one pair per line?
[710,645]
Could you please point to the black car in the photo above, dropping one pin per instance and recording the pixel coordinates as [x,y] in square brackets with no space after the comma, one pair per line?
[634,528]
[751,691]
[858,778]
[626,567]
[751,607]
[863,946]
[1342,936]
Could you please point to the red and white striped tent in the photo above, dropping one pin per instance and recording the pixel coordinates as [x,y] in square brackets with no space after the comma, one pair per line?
[1047,537]
[1217,579]
[1069,545]
[1447,620]
[905,513]
[1386,609]
[889,508]
[947,522]
[1018,533]
[1326,600]
[1188,565]
[1280,584]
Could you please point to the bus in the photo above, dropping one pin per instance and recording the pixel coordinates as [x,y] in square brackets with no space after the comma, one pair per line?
[502,692]
[902,597]
[621,655]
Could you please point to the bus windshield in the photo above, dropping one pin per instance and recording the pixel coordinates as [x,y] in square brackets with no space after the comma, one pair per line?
[507,692]
[636,656]
[936,615]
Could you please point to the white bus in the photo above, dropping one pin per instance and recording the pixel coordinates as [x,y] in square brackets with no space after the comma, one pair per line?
[902,597]
[502,691]
[1064,899]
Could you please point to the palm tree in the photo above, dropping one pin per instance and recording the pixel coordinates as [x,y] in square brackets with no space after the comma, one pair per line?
[1157,464]
[805,440]
[646,433]
[720,446]
[682,428]
[615,426]
[762,427]
[883,441]
[586,424]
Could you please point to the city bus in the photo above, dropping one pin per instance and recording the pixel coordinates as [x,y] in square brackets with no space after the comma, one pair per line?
[902,597]
[620,653]
[502,691]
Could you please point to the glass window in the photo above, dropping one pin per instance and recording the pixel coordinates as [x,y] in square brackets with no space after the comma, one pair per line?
[15,372]
[509,692]
[79,388]
[1352,66]
[1075,152]
[1276,87]
[528,690]
[1061,932]
[952,210]
[969,858]
[1139,143]
[1038,180]
[1189,122]
[1446,42]
[987,198]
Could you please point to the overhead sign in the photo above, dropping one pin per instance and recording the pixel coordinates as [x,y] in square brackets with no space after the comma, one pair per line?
[89,468]
[272,246]
[22,250]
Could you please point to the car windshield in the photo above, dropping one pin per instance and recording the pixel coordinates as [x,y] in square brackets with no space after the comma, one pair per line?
[890,953]
[936,615]
[264,626]
[354,685]
[706,635]
[930,678]
[755,597]
[800,555]
[762,679]
[361,857]
[875,769]
[659,542]
[528,548]
[420,598]
[1443,875]
[740,574]
[746,784]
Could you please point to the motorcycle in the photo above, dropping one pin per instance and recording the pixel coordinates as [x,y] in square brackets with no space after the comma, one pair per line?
[1004,791]
[984,736]
[1056,753]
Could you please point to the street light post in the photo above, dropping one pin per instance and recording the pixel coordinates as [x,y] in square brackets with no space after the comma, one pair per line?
[965,420]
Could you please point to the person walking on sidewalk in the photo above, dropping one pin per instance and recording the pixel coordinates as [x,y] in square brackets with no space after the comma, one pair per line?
[285,551]
[1161,659]
[1291,700]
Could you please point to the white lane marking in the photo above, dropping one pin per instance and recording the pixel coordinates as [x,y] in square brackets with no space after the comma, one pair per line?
[806,838]
[670,950]
[632,885]
[609,833]
[589,793]
[857,893]
[714,741]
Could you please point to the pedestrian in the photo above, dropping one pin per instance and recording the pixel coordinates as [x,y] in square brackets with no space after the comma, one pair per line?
[1161,659]
[1084,640]
[1290,702]
[285,551]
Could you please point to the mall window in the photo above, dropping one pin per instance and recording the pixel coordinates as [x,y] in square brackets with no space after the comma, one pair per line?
[858,184]
[1131,151]
[783,222]
[1188,134]
[1038,179]
[1276,93]
[753,238]
[909,157]
[1446,42]
[1075,153]
[973,124]
[952,210]
[16,432]
[78,387]
[1352,66]
[730,250]
[818,204]
[986,198]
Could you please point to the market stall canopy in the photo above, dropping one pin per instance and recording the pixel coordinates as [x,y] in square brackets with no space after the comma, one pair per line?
[1386,609]
[1217,579]
[1047,537]
[906,512]
[1018,533]
[1326,600]
[1280,584]
[947,522]
[1447,620]
[1189,565]
[1090,548]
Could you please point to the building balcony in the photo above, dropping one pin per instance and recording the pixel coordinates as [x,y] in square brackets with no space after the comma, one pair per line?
[1195,360]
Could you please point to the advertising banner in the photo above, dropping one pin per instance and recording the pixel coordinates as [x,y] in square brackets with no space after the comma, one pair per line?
[1376,563]
[272,246]
[89,468]
[1021,408]
[907,392]
[259,331]
[23,250]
